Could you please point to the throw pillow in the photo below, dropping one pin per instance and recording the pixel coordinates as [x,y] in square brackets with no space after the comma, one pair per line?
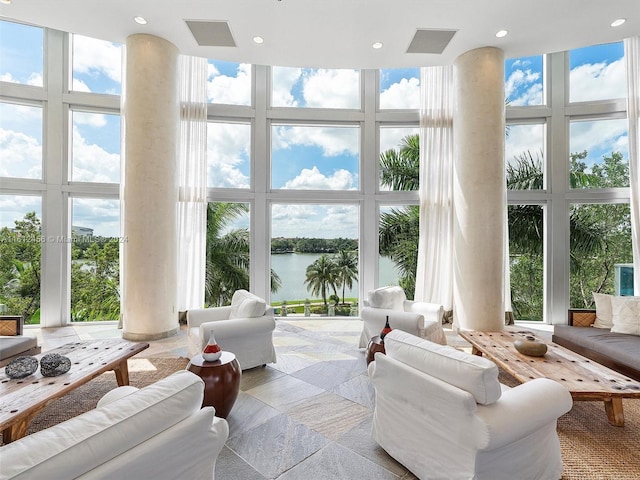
[387,297]
[604,315]
[626,315]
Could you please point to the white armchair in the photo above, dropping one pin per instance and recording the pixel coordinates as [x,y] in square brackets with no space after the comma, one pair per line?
[443,414]
[244,328]
[418,318]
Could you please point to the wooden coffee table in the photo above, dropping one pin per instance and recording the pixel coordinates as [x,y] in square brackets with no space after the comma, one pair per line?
[22,399]
[584,378]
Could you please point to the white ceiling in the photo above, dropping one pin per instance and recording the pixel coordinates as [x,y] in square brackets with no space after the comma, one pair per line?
[339,33]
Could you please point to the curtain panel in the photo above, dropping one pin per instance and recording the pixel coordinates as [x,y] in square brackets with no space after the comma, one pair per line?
[434,276]
[192,193]
[632,58]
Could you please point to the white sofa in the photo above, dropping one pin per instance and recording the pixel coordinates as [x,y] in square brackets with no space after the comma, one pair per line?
[160,432]
[418,318]
[443,414]
[244,328]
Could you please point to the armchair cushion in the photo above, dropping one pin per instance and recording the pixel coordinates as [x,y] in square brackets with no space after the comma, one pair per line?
[473,374]
[387,297]
[246,305]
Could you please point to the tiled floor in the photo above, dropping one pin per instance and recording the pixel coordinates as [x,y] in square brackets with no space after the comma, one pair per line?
[308,416]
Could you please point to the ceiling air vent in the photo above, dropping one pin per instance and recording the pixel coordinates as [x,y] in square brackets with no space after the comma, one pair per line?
[430,41]
[211,34]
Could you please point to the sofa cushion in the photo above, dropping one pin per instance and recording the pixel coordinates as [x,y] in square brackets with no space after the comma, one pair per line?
[245,304]
[471,373]
[626,315]
[387,297]
[74,447]
[604,315]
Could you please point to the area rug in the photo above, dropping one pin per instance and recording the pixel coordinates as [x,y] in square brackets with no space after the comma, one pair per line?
[592,448]
[142,372]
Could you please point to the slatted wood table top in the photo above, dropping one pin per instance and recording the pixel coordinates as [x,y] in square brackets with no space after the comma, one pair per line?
[584,378]
[22,399]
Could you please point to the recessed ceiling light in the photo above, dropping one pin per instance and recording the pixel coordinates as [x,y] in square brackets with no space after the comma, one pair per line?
[502,33]
[6,2]
[140,20]
[377,45]
[257,39]
[618,22]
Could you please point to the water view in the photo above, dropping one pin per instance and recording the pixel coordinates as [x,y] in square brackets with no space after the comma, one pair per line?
[291,268]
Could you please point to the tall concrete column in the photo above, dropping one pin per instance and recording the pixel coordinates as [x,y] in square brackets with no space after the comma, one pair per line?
[479,191]
[150,106]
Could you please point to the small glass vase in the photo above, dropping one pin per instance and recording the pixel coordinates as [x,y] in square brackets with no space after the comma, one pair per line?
[212,350]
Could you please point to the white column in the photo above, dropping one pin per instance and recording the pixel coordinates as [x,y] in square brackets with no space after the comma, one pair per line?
[150,105]
[479,191]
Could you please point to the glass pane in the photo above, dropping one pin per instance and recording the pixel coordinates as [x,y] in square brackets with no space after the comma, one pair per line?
[315,158]
[314,253]
[315,88]
[526,260]
[523,81]
[400,88]
[21,51]
[597,73]
[20,255]
[228,155]
[599,154]
[229,82]
[398,246]
[97,65]
[524,156]
[600,239]
[96,147]
[228,249]
[95,254]
[399,158]
[20,141]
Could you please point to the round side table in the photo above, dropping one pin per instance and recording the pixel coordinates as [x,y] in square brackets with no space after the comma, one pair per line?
[375,345]
[221,381]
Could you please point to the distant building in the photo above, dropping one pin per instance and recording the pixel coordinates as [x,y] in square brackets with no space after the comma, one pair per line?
[81,231]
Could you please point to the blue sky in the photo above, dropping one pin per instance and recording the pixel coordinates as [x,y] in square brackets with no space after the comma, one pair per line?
[304,156]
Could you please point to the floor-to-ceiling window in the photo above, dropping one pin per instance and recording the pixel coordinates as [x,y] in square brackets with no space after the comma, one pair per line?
[300,157]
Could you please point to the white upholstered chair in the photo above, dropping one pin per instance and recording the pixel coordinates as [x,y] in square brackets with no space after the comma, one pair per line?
[442,413]
[244,328]
[419,318]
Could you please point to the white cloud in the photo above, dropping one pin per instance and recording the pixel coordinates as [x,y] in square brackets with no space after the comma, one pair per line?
[102,215]
[80,86]
[527,80]
[283,80]
[91,163]
[332,88]
[229,90]
[314,221]
[604,135]
[7,77]
[91,55]
[404,94]
[332,140]
[14,207]
[91,119]
[599,81]
[390,137]
[228,147]
[20,155]
[313,179]
[522,139]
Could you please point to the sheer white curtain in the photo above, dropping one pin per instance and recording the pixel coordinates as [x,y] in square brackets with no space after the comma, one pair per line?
[192,196]
[434,276]
[632,56]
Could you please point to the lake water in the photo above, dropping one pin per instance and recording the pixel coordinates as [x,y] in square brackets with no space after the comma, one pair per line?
[291,268]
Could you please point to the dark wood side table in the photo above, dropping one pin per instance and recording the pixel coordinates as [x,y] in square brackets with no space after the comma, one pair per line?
[375,345]
[221,381]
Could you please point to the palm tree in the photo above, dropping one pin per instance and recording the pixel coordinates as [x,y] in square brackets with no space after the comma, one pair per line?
[400,229]
[227,255]
[322,274]
[347,265]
